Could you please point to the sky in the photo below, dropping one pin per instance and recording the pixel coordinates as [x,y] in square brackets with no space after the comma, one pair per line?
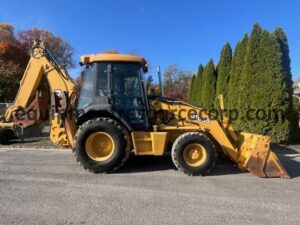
[165,32]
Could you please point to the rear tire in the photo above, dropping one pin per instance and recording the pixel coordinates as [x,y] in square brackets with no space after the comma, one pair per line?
[108,151]
[194,153]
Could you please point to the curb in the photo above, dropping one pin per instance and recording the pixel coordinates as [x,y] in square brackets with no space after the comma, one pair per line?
[33,147]
[50,148]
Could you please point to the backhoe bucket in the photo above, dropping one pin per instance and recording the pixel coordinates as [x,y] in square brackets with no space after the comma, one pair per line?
[257,157]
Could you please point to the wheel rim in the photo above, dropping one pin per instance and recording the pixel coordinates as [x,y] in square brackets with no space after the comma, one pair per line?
[194,155]
[99,146]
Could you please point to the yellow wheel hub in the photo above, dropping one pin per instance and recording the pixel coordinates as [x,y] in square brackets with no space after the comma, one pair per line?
[99,146]
[194,155]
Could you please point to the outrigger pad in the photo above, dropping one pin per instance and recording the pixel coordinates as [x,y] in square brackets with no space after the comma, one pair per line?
[262,162]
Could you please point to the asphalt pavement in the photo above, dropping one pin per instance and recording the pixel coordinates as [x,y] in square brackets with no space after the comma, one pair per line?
[48,186]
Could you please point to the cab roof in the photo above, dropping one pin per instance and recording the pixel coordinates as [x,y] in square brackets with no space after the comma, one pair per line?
[113,57]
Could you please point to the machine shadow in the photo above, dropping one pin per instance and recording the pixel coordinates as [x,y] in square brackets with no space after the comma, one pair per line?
[287,156]
[291,165]
[283,149]
[137,164]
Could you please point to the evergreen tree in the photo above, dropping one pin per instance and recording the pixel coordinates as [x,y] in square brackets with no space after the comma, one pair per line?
[263,87]
[198,85]
[234,87]
[286,61]
[209,85]
[281,38]
[248,79]
[192,89]
[224,67]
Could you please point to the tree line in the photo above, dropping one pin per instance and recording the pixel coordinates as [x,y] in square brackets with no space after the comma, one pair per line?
[255,78]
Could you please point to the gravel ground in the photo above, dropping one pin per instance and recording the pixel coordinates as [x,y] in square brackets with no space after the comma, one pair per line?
[47,186]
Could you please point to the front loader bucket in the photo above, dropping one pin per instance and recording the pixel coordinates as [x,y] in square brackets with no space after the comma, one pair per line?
[257,157]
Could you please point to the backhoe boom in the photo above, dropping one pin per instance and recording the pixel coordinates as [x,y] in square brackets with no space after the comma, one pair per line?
[29,104]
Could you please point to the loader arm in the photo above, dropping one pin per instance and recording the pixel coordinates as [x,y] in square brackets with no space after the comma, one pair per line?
[42,64]
[249,151]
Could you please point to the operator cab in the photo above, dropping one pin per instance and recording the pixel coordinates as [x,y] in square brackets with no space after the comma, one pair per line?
[113,83]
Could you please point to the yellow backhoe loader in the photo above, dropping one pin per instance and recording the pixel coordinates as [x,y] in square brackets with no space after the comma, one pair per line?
[114,117]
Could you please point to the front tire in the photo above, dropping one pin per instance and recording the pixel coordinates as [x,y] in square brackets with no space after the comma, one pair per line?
[102,145]
[193,153]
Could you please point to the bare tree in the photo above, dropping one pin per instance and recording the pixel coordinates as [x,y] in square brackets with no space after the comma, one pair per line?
[176,82]
[61,49]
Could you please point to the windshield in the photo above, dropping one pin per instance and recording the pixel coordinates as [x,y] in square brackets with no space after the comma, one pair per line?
[87,88]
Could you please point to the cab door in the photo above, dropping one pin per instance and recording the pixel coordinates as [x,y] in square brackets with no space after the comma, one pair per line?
[128,94]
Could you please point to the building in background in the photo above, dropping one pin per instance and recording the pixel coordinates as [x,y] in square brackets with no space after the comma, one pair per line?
[297,95]
[297,92]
